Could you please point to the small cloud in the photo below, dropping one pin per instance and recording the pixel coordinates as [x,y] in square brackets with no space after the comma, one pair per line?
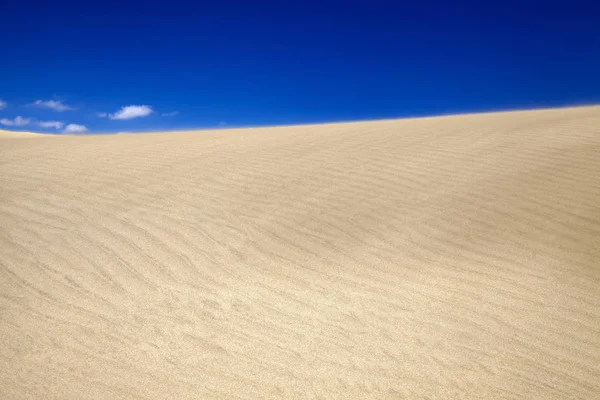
[170,114]
[130,112]
[3,104]
[102,114]
[18,121]
[55,105]
[75,128]
[222,123]
[51,124]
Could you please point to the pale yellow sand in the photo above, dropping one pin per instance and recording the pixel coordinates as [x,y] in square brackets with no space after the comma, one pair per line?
[16,134]
[450,257]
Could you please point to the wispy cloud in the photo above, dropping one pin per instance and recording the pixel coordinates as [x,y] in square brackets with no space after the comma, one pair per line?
[75,128]
[55,105]
[51,124]
[130,112]
[102,114]
[18,121]
[170,114]
[3,104]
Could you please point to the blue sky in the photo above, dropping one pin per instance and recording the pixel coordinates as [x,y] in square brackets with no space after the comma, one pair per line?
[185,65]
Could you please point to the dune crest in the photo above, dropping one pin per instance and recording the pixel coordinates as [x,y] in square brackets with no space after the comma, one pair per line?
[447,257]
[18,134]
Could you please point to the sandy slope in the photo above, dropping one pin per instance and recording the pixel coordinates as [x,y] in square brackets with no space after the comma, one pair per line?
[16,134]
[451,257]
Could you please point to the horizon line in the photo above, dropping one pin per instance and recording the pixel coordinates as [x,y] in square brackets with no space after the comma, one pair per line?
[308,124]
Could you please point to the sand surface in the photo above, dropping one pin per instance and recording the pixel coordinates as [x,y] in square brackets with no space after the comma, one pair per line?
[17,134]
[448,257]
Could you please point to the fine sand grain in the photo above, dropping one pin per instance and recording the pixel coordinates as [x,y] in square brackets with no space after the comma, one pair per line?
[447,257]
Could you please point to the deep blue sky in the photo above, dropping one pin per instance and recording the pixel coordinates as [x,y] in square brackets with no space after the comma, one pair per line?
[264,63]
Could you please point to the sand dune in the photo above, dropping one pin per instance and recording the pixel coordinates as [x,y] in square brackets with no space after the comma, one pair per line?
[16,134]
[448,257]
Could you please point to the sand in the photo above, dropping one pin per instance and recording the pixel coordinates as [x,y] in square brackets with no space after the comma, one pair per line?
[447,257]
[17,134]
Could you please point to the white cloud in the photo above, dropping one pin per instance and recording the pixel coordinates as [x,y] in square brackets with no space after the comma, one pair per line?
[55,105]
[102,114]
[51,124]
[75,128]
[130,112]
[170,114]
[3,104]
[18,121]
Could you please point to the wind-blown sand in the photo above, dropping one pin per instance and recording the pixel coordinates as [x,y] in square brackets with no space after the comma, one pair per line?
[16,134]
[448,257]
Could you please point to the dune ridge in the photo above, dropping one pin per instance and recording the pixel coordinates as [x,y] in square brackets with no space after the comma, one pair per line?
[446,257]
[17,134]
